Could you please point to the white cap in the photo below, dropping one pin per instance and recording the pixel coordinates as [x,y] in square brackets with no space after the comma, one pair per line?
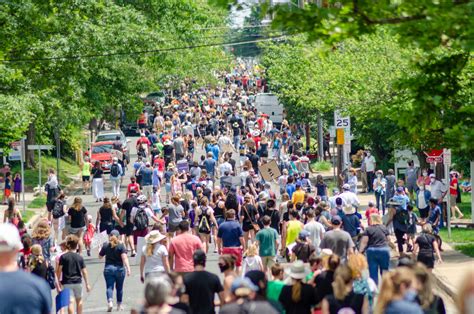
[9,238]
[346,187]
[115,159]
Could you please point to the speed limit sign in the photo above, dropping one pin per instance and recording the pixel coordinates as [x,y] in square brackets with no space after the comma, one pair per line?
[341,122]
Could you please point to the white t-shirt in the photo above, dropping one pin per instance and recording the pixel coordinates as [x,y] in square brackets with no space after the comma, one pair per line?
[369,163]
[154,263]
[148,212]
[251,263]
[225,166]
[315,229]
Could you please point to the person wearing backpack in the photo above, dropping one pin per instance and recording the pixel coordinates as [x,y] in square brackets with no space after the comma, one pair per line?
[58,212]
[206,219]
[140,218]
[115,176]
[400,219]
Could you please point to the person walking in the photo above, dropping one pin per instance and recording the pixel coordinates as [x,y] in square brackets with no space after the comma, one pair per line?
[379,186]
[115,269]
[42,235]
[52,190]
[77,216]
[97,182]
[205,220]
[426,246]
[146,174]
[154,256]
[107,217]
[115,176]
[12,214]
[202,286]
[375,243]
[422,200]
[267,240]
[338,240]
[20,291]
[182,248]
[370,166]
[230,239]
[297,298]
[175,216]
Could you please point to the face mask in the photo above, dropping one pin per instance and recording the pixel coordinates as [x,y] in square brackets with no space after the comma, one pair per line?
[379,176]
[223,268]
[432,180]
[425,174]
[368,154]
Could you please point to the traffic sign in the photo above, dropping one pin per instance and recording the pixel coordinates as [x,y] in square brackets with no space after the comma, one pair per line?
[341,121]
[33,147]
[447,157]
[340,136]
[434,159]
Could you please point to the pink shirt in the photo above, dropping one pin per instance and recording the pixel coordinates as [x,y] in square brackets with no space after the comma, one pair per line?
[183,247]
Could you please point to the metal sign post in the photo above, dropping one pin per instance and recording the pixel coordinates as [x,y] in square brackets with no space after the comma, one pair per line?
[39,148]
[447,164]
[22,151]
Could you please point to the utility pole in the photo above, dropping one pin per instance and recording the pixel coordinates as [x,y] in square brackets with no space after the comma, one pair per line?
[320,138]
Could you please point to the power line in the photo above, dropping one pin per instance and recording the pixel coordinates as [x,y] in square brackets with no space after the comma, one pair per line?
[77,57]
[231,27]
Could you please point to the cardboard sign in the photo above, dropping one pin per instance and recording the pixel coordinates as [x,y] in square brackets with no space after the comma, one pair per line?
[182,165]
[270,171]
[99,239]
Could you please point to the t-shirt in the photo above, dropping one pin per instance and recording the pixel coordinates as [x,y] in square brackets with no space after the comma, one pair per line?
[303,306]
[377,235]
[210,165]
[183,247]
[72,264]
[369,212]
[298,196]
[154,263]
[254,160]
[230,232]
[113,256]
[338,241]
[266,238]
[179,146]
[403,306]
[453,191]
[274,289]
[175,214]
[425,242]
[315,229]
[324,283]
[369,163]
[78,219]
[147,175]
[30,294]
[201,286]
[303,251]
[249,307]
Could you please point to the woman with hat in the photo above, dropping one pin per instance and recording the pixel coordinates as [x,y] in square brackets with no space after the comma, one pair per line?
[297,298]
[154,255]
[116,266]
[351,223]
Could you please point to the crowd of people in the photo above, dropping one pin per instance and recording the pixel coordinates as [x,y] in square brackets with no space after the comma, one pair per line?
[284,246]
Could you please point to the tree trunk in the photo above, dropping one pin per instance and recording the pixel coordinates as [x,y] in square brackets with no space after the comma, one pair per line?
[30,140]
[308,137]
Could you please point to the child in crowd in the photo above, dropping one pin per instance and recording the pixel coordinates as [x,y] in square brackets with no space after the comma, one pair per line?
[17,187]
[411,232]
[89,234]
[252,260]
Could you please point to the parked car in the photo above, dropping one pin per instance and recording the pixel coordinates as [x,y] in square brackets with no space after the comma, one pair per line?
[110,136]
[102,152]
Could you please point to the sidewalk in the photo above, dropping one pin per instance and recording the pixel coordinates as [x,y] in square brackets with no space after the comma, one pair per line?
[450,274]
[38,212]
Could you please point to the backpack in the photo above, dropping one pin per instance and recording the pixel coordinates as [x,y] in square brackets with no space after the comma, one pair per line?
[58,211]
[114,170]
[204,226]
[402,217]
[50,277]
[141,219]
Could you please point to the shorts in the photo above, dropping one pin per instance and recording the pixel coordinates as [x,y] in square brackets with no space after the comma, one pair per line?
[427,260]
[268,261]
[453,199]
[128,229]
[142,126]
[246,227]
[75,231]
[172,228]
[86,178]
[76,290]
[7,193]
[236,251]
[168,187]
[139,233]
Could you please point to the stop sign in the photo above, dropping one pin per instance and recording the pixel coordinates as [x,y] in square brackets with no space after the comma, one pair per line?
[434,156]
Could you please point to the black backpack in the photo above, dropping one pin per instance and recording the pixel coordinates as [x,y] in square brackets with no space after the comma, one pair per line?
[204,226]
[402,217]
[114,170]
[58,209]
[141,219]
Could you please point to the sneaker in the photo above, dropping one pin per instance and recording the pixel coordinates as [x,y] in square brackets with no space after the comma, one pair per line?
[88,252]
[120,307]
[110,306]
[133,253]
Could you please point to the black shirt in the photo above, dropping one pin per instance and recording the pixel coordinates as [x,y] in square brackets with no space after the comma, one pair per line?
[113,256]
[377,235]
[72,264]
[425,242]
[106,214]
[168,150]
[201,287]
[78,217]
[40,270]
[97,173]
[254,160]
[352,300]
[128,205]
[249,212]
[303,306]
[324,285]
[274,218]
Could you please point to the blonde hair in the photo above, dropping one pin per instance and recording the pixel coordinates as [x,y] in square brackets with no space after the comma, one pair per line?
[342,283]
[427,228]
[149,249]
[252,250]
[41,231]
[36,256]
[425,294]
[114,241]
[77,204]
[375,219]
[466,286]
[357,263]
[296,291]
[391,286]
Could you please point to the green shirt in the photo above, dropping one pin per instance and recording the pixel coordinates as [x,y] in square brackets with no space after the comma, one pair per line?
[274,289]
[267,238]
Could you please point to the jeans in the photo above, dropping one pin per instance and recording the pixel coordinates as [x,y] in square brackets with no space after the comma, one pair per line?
[400,240]
[237,142]
[380,197]
[115,186]
[378,258]
[370,180]
[114,275]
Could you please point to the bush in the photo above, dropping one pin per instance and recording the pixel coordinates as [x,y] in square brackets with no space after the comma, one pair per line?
[321,166]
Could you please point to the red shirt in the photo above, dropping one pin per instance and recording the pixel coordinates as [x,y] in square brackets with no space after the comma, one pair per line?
[260,123]
[131,186]
[370,211]
[143,140]
[257,140]
[452,190]
[183,247]
[142,119]
[160,162]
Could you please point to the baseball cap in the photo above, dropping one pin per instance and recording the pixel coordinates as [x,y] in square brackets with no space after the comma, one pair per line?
[114,233]
[243,286]
[336,220]
[432,175]
[303,235]
[199,256]
[9,238]
[346,187]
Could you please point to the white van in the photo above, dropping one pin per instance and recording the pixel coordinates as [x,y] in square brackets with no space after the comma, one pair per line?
[268,103]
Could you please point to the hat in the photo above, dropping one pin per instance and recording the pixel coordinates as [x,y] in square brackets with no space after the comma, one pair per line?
[114,233]
[325,252]
[115,159]
[154,237]
[336,220]
[346,186]
[147,163]
[348,209]
[9,238]
[303,235]
[167,142]
[235,125]
[243,286]
[400,189]
[297,270]
[432,175]
[255,133]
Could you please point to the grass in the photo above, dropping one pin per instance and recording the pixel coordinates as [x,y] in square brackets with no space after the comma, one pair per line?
[38,202]
[67,168]
[28,215]
[467,249]
[462,239]
[321,166]
[465,205]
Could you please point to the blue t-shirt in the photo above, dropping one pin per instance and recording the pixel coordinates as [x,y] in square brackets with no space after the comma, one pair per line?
[350,223]
[210,165]
[147,174]
[401,199]
[215,152]
[230,233]
[403,306]
[290,189]
[156,178]
[31,294]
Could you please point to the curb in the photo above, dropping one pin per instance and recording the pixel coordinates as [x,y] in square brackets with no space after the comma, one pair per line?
[448,289]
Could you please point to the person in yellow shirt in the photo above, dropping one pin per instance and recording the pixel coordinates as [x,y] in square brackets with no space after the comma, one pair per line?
[298,195]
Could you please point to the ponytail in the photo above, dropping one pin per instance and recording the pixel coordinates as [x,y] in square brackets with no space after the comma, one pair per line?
[391,287]
[342,280]
[114,241]
[296,291]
